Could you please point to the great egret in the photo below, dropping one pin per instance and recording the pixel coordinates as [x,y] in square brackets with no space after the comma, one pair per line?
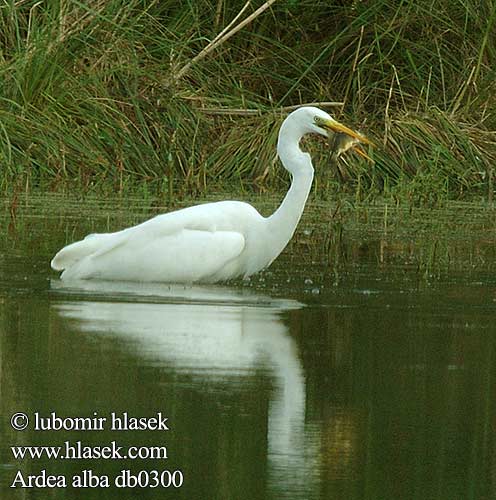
[211,242]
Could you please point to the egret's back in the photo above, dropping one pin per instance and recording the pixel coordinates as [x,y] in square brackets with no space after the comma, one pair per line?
[200,243]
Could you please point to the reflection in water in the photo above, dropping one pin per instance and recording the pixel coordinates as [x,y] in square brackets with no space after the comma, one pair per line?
[367,393]
[388,394]
[211,333]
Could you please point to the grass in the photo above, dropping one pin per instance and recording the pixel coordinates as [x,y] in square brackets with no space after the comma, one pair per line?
[183,96]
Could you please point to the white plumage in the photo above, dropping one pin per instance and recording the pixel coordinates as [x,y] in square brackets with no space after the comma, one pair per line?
[206,243]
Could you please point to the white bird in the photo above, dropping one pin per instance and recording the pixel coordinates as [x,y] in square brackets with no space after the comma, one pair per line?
[210,242]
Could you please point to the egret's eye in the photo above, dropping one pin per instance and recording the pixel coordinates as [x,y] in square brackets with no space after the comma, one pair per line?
[320,122]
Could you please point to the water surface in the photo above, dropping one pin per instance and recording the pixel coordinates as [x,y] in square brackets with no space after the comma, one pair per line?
[363,368]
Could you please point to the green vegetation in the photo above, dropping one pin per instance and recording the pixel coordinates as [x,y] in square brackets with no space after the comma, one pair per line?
[115,94]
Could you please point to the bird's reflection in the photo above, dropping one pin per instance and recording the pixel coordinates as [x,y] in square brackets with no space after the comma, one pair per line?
[210,332]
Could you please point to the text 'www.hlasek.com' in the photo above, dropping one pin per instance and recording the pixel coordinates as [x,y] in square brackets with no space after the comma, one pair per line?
[74,450]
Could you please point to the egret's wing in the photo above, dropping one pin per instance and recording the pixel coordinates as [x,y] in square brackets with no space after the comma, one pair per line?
[187,245]
[188,255]
[200,217]
[183,256]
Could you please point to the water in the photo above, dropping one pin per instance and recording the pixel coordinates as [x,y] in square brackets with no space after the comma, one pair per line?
[370,380]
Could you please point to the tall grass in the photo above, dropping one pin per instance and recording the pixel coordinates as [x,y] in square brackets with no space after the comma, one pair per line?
[115,93]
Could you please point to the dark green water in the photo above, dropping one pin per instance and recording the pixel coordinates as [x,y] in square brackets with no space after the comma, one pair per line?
[363,381]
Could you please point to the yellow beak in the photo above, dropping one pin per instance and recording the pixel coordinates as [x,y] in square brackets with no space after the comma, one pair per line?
[337,127]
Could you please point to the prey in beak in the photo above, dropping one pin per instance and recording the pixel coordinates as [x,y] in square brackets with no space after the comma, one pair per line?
[341,142]
[343,138]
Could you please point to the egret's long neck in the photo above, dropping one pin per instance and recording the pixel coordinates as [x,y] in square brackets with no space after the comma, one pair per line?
[282,223]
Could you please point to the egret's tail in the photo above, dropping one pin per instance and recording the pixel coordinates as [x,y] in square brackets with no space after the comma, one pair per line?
[73,253]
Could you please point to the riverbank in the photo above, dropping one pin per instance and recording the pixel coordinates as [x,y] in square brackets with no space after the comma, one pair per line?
[183,98]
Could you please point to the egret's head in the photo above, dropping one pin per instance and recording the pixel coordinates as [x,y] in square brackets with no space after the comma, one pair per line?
[309,119]
[322,123]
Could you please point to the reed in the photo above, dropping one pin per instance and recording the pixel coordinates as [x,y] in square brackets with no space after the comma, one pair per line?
[185,95]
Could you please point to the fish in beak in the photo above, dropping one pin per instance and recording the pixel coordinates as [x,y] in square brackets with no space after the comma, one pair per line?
[344,138]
